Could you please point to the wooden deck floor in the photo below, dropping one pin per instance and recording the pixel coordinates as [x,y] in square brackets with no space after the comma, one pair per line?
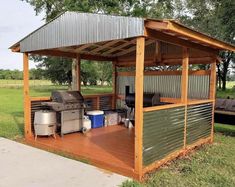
[110,148]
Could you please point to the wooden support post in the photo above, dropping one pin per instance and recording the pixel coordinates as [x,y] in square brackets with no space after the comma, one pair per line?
[98,102]
[139,79]
[212,94]
[114,81]
[78,72]
[158,54]
[27,107]
[184,88]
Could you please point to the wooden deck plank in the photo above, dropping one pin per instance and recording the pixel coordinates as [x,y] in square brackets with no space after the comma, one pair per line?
[110,148]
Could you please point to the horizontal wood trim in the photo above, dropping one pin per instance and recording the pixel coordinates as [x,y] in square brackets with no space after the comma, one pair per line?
[199,72]
[97,95]
[162,107]
[174,155]
[39,98]
[193,102]
[170,100]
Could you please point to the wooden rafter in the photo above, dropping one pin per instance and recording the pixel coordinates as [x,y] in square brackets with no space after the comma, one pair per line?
[126,43]
[177,41]
[107,45]
[133,48]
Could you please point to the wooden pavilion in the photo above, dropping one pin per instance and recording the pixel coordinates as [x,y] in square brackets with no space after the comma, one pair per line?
[161,133]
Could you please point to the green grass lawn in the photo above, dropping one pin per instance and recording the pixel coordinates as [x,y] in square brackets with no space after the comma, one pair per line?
[230,91]
[211,165]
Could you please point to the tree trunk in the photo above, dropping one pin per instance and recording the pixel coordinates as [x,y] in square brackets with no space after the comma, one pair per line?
[219,76]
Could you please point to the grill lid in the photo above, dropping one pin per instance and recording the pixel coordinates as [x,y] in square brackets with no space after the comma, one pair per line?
[67,97]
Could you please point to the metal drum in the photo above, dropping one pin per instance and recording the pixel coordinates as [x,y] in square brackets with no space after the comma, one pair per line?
[44,123]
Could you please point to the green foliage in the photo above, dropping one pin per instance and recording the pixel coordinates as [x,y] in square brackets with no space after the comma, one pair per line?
[58,70]
[89,72]
[34,74]
[11,74]
[216,18]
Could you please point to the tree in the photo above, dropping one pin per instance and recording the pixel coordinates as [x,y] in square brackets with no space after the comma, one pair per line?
[104,72]
[88,72]
[58,70]
[216,18]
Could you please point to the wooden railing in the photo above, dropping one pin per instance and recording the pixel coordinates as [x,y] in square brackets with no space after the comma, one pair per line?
[99,101]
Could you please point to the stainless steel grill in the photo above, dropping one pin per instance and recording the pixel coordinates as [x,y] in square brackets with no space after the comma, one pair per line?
[69,106]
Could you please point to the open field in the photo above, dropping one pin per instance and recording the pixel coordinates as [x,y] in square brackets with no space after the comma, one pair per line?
[211,165]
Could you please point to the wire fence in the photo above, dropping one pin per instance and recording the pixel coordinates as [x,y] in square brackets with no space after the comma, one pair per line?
[19,83]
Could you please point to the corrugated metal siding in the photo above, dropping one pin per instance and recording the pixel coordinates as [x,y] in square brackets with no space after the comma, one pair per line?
[163,133]
[199,119]
[74,28]
[168,85]
[199,87]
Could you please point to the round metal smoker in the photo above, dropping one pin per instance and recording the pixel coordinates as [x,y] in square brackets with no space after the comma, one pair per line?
[44,123]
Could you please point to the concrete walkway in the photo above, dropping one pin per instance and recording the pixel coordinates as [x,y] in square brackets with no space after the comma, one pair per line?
[25,166]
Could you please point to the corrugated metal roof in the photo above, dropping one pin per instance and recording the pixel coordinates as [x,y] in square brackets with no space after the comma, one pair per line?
[75,28]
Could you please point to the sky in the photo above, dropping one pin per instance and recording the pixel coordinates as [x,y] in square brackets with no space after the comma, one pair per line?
[17,19]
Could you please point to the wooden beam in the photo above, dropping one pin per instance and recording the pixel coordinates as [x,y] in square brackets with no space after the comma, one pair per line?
[156,73]
[164,62]
[27,107]
[158,25]
[212,94]
[184,88]
[139,89]
[177,41]
[114,81]
[192,34]
[71,55]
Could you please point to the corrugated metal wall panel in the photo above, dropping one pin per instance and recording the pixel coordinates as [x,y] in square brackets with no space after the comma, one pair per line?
[168,85]
[199,119]
[76,28]
[198,87]
[163,133]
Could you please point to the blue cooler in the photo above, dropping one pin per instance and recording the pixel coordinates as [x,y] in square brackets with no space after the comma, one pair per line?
[97,118]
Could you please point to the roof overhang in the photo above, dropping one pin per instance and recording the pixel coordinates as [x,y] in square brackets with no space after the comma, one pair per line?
[175,29]
[72,32]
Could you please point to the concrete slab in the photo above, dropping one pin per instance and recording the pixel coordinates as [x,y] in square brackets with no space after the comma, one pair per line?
[25,166]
